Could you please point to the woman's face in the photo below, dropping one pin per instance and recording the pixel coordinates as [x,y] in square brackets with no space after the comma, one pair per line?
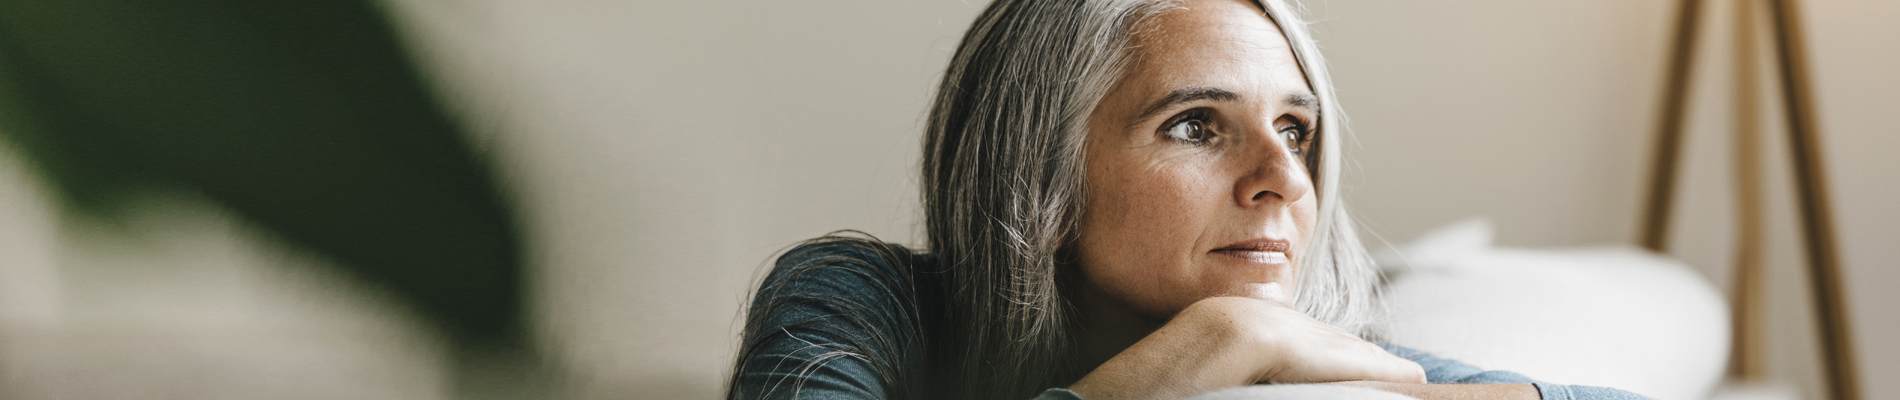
[1195,182]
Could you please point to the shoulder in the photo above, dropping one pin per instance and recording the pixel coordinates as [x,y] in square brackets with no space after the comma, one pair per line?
[863,272]
[834,318]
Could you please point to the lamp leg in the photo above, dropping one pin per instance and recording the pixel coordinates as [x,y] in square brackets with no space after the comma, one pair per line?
[1817,222]
[1747,359]
[1662,179]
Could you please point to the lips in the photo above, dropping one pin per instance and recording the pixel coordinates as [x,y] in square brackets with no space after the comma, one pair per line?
[1279,245]
[1261,251]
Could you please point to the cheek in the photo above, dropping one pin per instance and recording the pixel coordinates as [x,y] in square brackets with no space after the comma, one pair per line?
[1138,238]
[1305,216]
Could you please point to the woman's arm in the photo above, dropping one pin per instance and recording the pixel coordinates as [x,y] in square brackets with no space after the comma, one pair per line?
[1454,391]
[1232,341]
[1528,391]
[1455,379]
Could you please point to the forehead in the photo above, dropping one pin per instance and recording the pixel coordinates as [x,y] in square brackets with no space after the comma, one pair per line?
[1212,43]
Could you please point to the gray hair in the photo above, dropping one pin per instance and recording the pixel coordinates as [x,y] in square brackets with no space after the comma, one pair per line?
[1003,182]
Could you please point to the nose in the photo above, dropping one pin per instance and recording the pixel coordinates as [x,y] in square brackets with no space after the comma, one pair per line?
[1271,175]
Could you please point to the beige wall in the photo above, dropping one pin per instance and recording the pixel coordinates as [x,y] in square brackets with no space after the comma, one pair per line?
[664,151]
[1534,114]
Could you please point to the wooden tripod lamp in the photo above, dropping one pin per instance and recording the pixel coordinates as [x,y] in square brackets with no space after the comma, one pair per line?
[1823,263]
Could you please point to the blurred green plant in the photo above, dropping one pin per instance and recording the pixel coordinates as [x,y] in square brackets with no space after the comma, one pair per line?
[303,116]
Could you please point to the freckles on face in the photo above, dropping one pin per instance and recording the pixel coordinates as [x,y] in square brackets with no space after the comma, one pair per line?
[1196,184]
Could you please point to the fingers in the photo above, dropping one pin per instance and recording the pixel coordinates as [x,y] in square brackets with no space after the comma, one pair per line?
[1387,367]
[1401,370]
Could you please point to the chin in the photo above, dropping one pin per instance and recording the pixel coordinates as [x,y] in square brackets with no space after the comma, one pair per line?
[1269,291]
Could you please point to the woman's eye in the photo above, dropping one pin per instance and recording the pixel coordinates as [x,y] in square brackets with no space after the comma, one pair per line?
[1295,135]
[1192,130]
[1292,135]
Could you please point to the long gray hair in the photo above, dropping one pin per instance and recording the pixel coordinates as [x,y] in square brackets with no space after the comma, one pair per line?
[1002,181]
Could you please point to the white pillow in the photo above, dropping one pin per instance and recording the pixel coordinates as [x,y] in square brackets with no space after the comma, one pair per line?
[1611,316]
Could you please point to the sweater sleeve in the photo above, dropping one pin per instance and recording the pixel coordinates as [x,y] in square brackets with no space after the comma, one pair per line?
[1443,370]
[1058,394]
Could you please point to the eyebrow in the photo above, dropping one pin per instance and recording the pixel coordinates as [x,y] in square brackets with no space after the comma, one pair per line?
[1185,95]
[1198,93]
[1301,100]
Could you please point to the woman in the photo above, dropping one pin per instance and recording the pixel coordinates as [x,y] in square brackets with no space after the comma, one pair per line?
[1124,199]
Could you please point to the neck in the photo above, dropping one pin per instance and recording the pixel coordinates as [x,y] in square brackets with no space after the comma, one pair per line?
[1110,327]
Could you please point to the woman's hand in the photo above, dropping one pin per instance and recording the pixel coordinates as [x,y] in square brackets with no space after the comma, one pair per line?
[1233,341]
[1304,350]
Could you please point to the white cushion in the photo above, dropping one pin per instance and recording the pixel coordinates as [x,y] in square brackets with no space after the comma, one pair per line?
[1612,316]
